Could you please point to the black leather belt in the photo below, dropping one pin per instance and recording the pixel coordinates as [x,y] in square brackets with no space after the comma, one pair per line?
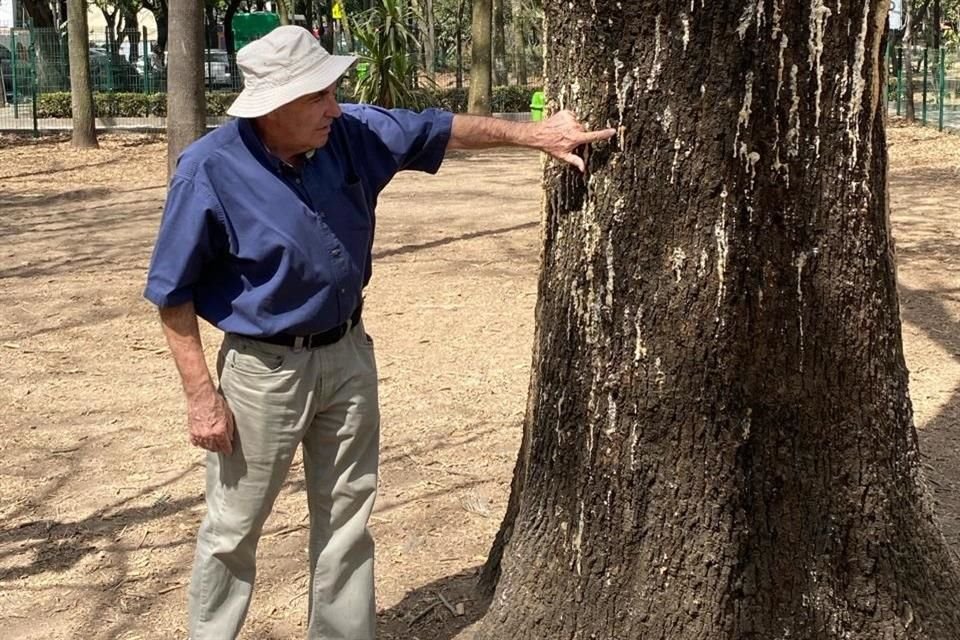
[315,340]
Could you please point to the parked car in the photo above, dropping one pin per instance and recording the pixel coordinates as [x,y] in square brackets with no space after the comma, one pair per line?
[6,71]
[112,72]
[216,69]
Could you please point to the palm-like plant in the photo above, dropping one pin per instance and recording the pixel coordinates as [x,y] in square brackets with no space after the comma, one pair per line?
[386,45]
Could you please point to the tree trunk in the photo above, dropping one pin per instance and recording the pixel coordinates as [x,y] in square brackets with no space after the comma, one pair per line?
[283,11]
[81,95]
[520,46]
[210,27]
[229,42]
[460,4]
[50,75]
[906,43]
[480,72]
[429,39]
[186,103]
[936,24]
[132,28]
[161,13]
[719,440]
[329,37]
[501,77]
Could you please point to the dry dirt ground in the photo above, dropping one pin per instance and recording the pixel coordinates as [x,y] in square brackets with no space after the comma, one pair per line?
[100,494]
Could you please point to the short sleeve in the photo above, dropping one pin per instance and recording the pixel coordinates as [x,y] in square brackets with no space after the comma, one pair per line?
[397,139]
[191,234]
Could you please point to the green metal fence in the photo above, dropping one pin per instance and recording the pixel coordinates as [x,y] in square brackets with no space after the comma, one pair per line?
[128,77]
[934,76]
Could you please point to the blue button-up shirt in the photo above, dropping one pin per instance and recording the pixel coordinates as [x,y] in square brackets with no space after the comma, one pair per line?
[261,249]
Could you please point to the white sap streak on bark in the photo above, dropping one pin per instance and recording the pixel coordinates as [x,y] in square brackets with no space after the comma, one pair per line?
[657,50]
[793,133]
[578,541]
[685,21]
[678,259]
[611,273]
[746,18]
[720,231]
[819,13]
[677,145]
[858,86]
[611,415]
[743,119]
[777,13]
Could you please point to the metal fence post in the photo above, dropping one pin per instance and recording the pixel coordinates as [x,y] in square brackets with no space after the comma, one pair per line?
[943,83]
[924,116]
[32,51]
[13,69]
[899,79]
[146,62]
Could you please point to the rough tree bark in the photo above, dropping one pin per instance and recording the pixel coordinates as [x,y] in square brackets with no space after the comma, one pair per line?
[719,442]
[186,103]
[500,73]
[429,38]
[520,46]
[481,78]
[84,135]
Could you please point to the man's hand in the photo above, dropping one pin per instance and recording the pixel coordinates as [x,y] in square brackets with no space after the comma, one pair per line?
[562,134]
[208,416]
[210,422]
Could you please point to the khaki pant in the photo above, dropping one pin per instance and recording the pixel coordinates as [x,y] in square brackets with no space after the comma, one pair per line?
[326,399]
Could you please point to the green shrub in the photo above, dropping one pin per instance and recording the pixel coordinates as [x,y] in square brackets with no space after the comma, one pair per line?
[145,105]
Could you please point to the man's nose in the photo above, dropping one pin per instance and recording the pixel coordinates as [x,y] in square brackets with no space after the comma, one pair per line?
[333,107]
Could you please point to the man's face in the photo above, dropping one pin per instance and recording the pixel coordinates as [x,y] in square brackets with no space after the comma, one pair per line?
[305,123]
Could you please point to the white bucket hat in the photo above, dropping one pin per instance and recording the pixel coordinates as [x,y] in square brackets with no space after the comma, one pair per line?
[282,66]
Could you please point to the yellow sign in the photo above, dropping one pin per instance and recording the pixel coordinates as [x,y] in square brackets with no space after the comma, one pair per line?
[338,12]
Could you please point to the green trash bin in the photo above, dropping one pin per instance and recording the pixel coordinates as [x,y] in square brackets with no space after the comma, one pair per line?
[537,103]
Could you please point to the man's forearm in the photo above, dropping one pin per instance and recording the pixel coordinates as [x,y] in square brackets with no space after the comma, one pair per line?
[478,132]
[183,335]
[561,135]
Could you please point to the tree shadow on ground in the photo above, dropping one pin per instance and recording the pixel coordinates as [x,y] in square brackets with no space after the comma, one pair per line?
[432,244]
[940,435]
[433,611]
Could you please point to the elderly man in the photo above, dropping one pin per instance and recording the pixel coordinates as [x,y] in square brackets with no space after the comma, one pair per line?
[267,234]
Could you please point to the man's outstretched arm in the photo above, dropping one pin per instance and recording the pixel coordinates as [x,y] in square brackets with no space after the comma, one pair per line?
[560,135]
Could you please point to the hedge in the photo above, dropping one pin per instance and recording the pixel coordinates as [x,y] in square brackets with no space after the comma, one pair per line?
[143,105]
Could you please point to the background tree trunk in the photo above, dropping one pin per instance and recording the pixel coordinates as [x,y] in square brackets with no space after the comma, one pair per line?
[501,77]
[520,46]
[935,26]
[84,134]
[186,103]
[459,78]
[719,442]
[429,39]
[480,69]
[50,75]
[229,42]
[906,43]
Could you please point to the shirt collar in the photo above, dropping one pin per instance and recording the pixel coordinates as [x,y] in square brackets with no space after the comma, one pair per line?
[248,133]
